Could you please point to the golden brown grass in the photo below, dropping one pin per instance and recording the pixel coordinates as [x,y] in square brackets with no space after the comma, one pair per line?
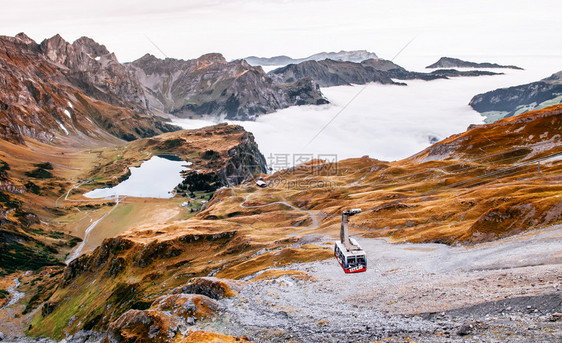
[419,199]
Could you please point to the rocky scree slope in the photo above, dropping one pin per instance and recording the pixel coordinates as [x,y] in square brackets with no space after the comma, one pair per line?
[507,102]
[60,90]
[211,86]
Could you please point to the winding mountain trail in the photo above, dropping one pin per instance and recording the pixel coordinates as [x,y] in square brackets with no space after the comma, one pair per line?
[78,250]
[67,194]
[312,215]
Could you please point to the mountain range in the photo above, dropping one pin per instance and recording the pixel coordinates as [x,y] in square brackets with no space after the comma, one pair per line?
[60,90]
[346,56]
[214,262]
[212,87]
[449,62]
[329,73]
[507,102]
[56,89]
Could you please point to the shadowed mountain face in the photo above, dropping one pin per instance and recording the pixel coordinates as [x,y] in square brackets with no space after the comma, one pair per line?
[506,102]
[211,86]
[329,73]
[449,62]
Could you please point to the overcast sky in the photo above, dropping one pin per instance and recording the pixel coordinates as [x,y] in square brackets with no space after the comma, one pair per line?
[238,28]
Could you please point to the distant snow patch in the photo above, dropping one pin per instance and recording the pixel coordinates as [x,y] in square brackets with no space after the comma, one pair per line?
[64,129]
[67,113]
[554,159]
[70,104]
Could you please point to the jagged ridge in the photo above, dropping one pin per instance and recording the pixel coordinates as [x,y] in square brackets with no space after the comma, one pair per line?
[348,56]
[51,90]
[211,86]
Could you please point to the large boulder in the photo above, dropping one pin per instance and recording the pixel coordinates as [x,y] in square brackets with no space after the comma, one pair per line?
[188,306]
[211,287]
[143,326]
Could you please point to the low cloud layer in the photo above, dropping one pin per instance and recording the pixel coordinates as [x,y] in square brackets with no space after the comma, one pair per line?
[385,122]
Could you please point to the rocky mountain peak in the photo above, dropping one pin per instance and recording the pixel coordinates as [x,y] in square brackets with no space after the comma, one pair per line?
[90,46]
[22,37]
[245,64]
[147,58]
[212,58]
[555,78]
[382,65]
[56,48]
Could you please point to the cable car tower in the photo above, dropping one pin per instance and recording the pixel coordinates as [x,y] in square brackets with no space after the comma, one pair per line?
[347,251]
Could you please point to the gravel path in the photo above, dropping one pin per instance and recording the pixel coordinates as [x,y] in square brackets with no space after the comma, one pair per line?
[505,290]
[78,251]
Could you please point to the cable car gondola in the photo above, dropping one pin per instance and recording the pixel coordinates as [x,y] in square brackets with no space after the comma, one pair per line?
[347,251]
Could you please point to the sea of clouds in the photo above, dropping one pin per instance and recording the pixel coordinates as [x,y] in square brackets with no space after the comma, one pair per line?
[385,122]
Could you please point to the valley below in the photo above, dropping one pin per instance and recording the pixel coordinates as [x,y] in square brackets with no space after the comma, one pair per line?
[233,240]
[462,242]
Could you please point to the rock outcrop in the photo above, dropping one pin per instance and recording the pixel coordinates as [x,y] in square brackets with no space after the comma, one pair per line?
[349,56]
[449,62]
[96,71]
[211,86]
[210,287]
[507,102]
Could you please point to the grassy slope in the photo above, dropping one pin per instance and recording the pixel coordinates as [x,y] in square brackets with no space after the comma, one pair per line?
[420,199]
[62,220]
